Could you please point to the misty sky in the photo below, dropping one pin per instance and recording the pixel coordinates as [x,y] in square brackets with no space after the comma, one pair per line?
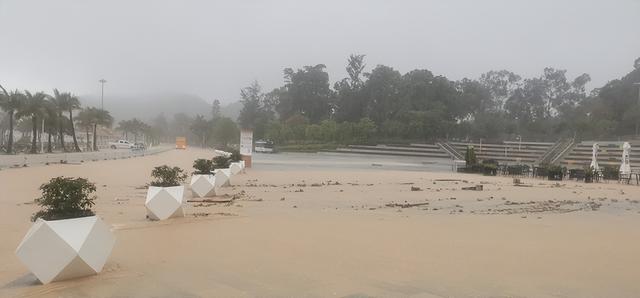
[214,48]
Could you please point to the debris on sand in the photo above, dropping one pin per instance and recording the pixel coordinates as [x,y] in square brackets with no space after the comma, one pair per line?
[216,200]
[406,205]
[201,214]
[548,206]
[415,188]
[475,188]
[316,185]
[448,180]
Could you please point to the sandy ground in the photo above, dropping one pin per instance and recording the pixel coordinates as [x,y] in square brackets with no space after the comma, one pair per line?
[345,233]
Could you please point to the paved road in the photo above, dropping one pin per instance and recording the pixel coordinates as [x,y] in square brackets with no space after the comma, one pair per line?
[289,161]
[8,161]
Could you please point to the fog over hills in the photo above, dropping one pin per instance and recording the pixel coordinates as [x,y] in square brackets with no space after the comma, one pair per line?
[148,106]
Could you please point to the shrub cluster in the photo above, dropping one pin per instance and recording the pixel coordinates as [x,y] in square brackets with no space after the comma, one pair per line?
[166,176]
[64,198]
[203,166]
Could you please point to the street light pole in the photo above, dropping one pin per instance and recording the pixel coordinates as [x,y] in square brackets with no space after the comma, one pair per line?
[638,120]
[102,81]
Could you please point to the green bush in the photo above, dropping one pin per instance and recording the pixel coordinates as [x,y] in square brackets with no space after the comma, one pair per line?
[555,172]
[203,166]
[166,176]
[470,156]
[64,198]
[611,173]
[589,174]
[490,167]
[221,162]
[235,155]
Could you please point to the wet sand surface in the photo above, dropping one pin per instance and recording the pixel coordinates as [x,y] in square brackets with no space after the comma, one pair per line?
[320,226]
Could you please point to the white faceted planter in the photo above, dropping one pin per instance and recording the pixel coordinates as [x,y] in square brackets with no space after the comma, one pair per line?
[64,249]
[235,168]
[203,185]
[223,177]
[165,202]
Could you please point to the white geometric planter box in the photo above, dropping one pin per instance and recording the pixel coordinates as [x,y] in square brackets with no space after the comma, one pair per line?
[242,164]
[223,177]
[165,202]
[68,248]
[235,168]
[203,185]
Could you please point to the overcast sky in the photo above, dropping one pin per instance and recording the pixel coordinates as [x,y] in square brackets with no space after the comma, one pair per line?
[214,48]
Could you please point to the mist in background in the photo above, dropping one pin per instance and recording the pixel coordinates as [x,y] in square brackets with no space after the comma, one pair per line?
[212,49]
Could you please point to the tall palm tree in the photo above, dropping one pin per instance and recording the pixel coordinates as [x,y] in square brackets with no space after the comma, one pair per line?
[60,101]
[68,102]
[11,103]
[51,121]
[85,121]
[33,107]
[125,126]
[102,118]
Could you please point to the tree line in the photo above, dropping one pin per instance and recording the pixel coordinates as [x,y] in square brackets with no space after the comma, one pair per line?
[384,105]
[40,112]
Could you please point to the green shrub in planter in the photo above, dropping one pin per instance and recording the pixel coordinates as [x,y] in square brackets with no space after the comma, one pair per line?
[64,198]
[221,162]
[235,155]
[166,176]
[554,172]
[203,166]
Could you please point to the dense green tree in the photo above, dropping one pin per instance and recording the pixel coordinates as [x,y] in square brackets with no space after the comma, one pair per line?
[226,131]
[306,92]
[201,128]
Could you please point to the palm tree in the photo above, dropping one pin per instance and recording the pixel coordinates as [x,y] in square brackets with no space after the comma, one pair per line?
[33,107]
[51,121]
[72,103]
[59,99]
[11,103]
[125,126]
[102,118]
[85,120]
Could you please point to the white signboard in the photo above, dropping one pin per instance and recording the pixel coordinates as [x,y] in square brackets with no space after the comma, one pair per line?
[246,142]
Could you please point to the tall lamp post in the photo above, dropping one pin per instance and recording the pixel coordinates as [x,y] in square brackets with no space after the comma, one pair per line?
[102,81]
[519,142]
[638,120]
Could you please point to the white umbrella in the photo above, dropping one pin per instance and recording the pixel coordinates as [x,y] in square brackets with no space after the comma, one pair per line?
[625,167]
[594,157]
